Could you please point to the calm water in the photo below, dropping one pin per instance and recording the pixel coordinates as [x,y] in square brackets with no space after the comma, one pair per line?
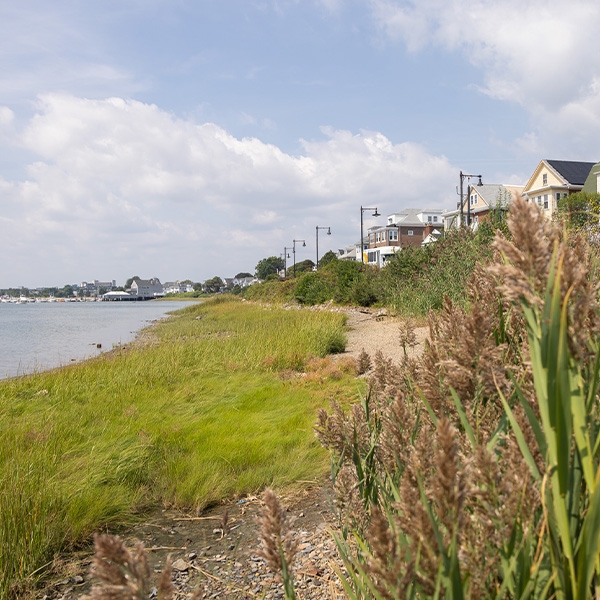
[43,335]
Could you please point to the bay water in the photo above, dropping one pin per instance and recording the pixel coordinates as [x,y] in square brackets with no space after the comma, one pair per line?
[42,335]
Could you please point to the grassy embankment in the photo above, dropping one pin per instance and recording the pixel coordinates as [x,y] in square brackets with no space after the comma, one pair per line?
[198,414]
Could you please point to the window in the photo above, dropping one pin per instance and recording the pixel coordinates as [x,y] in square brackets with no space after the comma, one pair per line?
[429,219]
[557,196]
[372,238]
[378,236]
[539,200]
[545,179]
[546,201]
[393,235]
[435,219]
[409,232]
[473,199]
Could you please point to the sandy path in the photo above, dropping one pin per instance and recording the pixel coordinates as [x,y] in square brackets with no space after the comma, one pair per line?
[373,330]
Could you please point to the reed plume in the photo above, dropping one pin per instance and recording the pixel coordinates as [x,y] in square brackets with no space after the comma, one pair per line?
[279,547]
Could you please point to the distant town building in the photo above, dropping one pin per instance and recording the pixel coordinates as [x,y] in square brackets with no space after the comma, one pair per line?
[409,227]
[95,286]
[145,289]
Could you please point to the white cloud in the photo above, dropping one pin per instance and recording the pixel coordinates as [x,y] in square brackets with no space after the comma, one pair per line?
[541,54]
[121,186]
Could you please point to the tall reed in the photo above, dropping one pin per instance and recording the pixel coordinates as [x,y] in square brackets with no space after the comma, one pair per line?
[474,470]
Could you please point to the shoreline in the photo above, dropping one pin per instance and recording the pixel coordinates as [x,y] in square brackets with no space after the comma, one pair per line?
[74,347]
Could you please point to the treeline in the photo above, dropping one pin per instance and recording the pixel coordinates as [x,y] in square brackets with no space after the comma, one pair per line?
[414,281]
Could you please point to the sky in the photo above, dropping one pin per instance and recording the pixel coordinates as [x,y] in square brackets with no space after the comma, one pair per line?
[184,139]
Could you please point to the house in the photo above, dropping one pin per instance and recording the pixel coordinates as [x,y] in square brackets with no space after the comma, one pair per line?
[592,183]
[478,201]
[95,286]
[410,227]
[244,282]
[146,289]
[556,179]
[175,287]
[350,252]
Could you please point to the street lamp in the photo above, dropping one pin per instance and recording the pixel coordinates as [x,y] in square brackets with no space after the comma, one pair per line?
[286,255]
[317,231]
[464,176]
[375,214]
[294,252]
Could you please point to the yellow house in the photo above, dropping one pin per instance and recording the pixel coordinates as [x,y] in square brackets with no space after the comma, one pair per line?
[555,179]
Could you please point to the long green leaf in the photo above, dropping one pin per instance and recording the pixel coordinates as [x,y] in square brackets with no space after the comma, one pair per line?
[525,451]
[463,418]
[588,550]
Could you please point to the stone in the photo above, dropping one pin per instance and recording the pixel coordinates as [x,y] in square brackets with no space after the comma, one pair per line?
[180,565]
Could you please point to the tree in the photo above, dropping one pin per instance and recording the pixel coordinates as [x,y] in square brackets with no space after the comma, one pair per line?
[214,285]
[581,212]
[301,267]
[242,275]
[328,257]
[267,266]
[131,280]
[65,292]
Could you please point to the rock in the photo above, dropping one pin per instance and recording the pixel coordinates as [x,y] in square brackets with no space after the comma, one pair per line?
[180,565]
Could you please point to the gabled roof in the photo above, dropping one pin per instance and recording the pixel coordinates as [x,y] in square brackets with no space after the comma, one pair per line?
[572,171]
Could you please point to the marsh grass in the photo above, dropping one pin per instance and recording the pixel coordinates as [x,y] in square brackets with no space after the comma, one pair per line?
[194,414]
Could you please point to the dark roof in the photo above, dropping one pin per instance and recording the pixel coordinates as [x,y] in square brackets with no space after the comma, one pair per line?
[573,171]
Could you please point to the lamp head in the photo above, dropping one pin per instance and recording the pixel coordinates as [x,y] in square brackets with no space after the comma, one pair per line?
[304,244]
[329,231]
[480,182]
[376,214]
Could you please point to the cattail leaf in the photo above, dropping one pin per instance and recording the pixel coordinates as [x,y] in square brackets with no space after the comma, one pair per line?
[455,587]
[582,437]
[588,548]
[432,416]
[532,419]
[500,430]
[521,441]
[463,418]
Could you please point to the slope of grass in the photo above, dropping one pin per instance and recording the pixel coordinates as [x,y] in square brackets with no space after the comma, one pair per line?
[196,414]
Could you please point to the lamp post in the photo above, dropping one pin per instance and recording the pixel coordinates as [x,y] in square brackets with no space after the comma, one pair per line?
[286,255]
[294,252]
[317,231]
[464,176]
[375,214]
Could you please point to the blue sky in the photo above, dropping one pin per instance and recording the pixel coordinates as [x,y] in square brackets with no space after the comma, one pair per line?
[187,139]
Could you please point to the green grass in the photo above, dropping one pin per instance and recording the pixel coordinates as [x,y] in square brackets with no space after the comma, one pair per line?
[196,415]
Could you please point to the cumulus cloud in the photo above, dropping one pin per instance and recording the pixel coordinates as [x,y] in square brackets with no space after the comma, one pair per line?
[126,185]
[541,54]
